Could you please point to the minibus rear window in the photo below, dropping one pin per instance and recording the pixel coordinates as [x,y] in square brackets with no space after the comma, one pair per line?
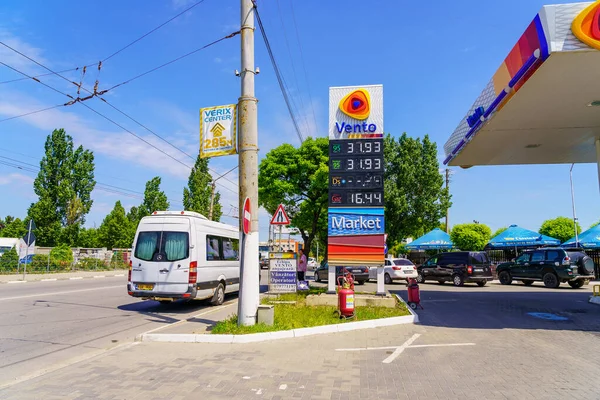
[173,245]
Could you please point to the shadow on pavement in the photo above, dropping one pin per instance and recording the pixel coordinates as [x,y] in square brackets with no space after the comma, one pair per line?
[496,308]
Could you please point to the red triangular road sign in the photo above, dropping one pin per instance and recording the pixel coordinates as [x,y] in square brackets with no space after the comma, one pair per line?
[280,217]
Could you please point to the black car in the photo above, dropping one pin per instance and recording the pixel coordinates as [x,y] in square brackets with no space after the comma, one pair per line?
[458,267]
[551,265]
[360,274]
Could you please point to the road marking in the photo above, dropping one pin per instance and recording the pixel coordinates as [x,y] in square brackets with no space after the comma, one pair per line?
[119,275]
[400,349]
[16,281]
[64,292]
[548,316]
[75,277]
[282,387]
[99,276]
[48,280]
[407,345]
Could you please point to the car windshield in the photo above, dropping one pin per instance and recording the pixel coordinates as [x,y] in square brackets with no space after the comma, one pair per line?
[402,261]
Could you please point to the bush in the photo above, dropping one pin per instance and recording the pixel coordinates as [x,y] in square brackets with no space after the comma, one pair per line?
[90,264]
[117,261]
[61,256]
[9,261]
[470,237]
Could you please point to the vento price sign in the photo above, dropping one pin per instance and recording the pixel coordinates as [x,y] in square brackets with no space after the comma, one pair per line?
[356,166]
[282,273]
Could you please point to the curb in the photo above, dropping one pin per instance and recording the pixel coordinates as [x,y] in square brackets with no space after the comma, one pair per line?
[293,333]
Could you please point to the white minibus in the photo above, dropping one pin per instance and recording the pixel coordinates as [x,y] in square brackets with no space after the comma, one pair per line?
[183,255]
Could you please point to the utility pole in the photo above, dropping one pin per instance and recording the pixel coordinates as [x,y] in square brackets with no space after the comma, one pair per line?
[448,208]
[573,201]
[248,164]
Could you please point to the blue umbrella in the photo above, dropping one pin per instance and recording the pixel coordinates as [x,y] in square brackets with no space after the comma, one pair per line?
[434,240]
[516,236]
[589,239]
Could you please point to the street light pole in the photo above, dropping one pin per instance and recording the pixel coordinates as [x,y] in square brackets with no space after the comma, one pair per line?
[248,164]
[573,203]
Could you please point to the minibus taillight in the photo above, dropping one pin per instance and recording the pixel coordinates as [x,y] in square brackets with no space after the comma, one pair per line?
[193,272]
[129,273]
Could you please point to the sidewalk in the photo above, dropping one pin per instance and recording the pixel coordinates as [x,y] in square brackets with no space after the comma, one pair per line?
[8,278]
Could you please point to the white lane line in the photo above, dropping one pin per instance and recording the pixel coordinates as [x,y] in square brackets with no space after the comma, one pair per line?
[119,275]
[75,278]
[400,349]
[16,282]
[214,309]
[48,280]
[64,292]
[99,276]
[442,345]
[282,387]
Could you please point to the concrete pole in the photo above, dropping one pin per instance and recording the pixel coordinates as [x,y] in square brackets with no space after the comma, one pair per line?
[212,200]
[598,159]
[573,203]
[248,164]
[448,209]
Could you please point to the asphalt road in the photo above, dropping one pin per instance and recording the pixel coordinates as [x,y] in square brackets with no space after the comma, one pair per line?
[45,324]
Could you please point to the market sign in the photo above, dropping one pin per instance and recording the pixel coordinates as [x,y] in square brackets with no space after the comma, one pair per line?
[282,272]
[218,131]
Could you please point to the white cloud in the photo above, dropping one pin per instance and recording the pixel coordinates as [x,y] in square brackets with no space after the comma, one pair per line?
[15,178]
[218,60]
[101,141]
[16,60]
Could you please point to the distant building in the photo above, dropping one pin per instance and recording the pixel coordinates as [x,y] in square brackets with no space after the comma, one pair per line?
[8,243]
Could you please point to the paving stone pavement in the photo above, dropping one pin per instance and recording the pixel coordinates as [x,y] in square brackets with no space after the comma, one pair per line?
[504,364]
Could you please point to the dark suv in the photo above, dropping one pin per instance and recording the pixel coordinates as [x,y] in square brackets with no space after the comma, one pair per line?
[550,265]
[458,267]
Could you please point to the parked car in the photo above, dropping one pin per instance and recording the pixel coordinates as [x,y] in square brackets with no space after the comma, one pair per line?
[26,260]
[396,269]
[361,274]
[458,267]
[311,264]
[264,263]
[549,265]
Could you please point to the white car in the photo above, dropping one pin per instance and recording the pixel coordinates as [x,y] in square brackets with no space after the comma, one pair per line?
[311,263]
[396,269]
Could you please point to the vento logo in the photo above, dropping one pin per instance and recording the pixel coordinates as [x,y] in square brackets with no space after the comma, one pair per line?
[356,104]
[586,27]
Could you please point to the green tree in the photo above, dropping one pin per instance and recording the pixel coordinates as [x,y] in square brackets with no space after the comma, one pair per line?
[197,194]
[115,231]
[64,186]
[298,179]
[470,237]
[88,237]
[61,256]
[9,260]
[560,228]
[499,231]
[15,228]
[154,199]
[415,196]
[595,224]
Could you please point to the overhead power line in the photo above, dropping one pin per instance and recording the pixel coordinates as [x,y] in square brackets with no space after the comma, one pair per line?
[154,30]
[118,51]
[278,75]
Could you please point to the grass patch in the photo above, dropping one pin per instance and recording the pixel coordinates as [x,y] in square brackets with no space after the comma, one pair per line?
[299,315]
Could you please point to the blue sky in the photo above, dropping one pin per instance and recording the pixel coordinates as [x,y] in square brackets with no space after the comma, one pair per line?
[433,60]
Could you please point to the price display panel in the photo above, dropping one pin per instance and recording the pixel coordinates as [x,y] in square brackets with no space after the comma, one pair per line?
[356,198]
[356,172]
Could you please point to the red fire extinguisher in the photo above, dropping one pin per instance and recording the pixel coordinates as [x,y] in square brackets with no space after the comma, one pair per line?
[346,295]
[414,296]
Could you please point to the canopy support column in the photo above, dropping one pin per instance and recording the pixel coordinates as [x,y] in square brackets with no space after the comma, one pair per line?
[598,159]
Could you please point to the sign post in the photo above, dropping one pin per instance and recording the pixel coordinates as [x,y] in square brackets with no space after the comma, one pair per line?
[356,225]
[29,239]
[280,218]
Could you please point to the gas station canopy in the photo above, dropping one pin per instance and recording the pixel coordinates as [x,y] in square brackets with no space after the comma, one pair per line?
[542,106]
